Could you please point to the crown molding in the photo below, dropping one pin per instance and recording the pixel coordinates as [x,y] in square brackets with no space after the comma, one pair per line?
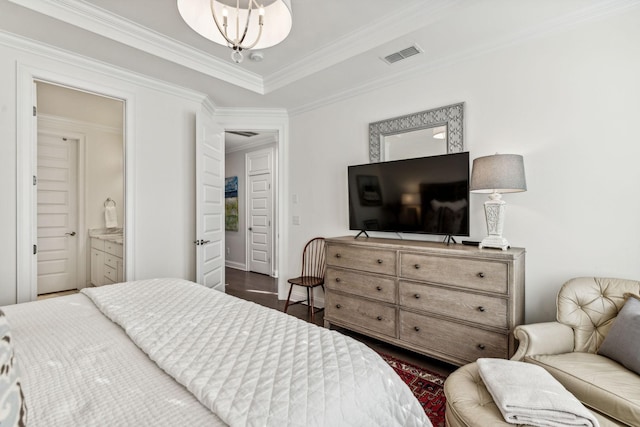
[56,54]
[77,125]
[114,27]
[259,142]
[377,33]
[259,115]
[557,25]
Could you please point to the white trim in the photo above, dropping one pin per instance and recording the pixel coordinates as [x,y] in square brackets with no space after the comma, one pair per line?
[377,33]
[392,26]
[114,27]
[300,294]
[235,265]
[26,45]
[256,143]
[559,24]
[64,123]
[271,120]
[26,138]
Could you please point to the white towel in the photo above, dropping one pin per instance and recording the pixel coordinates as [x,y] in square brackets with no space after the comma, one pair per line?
[527,394]
[110,217]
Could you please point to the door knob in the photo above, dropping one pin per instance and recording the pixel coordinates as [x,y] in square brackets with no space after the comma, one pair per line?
[73,233]
[250,228]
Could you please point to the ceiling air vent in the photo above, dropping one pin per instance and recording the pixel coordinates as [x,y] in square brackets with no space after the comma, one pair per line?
[247,134]
[402,54]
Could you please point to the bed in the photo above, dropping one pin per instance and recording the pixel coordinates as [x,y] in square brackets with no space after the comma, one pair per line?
[169,352]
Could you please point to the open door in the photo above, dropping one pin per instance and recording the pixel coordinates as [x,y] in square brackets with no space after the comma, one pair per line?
[209,202]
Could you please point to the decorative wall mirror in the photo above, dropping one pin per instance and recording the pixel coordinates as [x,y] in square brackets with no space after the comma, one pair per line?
[427,133]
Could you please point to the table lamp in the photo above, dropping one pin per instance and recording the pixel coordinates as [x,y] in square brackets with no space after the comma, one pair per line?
[500,173]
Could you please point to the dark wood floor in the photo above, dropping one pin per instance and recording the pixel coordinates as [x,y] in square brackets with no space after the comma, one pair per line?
[263,290]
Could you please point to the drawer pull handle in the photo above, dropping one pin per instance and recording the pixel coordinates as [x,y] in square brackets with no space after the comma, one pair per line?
[481,308]
[379,317]
[338,306]
[378,288]
[338,279]
[481,275]
[481,346]
[379,261]
[338,256]
[417,266]
[417,296]
[416,328]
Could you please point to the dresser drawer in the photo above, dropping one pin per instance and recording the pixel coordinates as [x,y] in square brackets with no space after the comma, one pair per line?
[111,260]
[110,273]
[468,273]
[460,341]
[377,317]
[364,259]
[113,248]
[97,244]
[481,309]
[381,288]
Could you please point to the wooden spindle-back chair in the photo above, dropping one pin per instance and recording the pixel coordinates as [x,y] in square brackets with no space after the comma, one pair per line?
[312,275]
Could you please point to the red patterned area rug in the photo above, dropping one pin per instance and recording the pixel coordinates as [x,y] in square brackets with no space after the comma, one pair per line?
[426,386]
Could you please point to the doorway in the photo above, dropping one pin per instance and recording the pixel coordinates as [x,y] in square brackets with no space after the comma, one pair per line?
[250,156]
[80,166]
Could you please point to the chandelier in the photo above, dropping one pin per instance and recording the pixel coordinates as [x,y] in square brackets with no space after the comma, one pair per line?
[239,24]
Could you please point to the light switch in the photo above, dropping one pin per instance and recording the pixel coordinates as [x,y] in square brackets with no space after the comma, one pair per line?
[296,220]
[294,198]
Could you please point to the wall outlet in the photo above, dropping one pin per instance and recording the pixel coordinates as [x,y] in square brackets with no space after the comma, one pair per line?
[296,220]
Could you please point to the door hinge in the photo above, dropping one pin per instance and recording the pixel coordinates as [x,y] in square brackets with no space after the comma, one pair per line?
[35,180]
[35,249]
[269,223]
[35,111]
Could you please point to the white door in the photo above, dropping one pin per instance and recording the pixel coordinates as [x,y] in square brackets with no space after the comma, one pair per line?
[260,208]
[209,202]
[57,190]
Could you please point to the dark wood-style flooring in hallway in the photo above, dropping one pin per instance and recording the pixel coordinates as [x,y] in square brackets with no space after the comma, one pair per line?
[263,290]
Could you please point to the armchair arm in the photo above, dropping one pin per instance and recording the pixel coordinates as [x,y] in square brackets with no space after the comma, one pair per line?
[543,338]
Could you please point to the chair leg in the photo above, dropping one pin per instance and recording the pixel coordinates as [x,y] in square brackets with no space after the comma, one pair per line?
[286,306]
[312,306]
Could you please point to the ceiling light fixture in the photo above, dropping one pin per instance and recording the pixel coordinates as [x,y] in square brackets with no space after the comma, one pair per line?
[238,24]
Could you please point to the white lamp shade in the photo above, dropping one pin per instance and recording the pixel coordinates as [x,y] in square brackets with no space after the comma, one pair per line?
[500,173]
[277,20]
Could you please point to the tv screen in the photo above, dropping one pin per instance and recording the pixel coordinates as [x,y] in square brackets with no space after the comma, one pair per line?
[423,195]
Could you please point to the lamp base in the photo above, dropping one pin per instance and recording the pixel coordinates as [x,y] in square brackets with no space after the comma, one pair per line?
[494,242]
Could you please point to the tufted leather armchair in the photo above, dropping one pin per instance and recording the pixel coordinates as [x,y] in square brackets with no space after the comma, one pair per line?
[567,348]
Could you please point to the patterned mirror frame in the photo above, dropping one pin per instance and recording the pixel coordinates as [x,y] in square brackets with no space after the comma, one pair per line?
[452,116]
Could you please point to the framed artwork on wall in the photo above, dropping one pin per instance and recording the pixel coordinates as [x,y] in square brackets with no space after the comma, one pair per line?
[231,203]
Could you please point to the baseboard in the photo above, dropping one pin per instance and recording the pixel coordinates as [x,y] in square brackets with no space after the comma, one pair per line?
[236,265]
[300,294]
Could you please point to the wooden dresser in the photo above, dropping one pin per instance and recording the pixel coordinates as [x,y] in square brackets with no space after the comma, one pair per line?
[452,302]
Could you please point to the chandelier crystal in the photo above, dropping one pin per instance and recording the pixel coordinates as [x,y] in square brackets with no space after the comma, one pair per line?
[239,24]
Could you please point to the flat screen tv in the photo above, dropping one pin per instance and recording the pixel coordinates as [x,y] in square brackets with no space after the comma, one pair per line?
[423,195]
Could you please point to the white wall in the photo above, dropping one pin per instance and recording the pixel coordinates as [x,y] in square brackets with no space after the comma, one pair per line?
[568,102]
[160,163]
[235,241]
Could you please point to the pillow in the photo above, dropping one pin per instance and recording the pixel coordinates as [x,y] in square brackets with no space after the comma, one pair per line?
[13,411]
[622,343]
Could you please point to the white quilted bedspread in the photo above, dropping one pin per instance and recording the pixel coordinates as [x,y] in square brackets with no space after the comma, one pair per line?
[254,366]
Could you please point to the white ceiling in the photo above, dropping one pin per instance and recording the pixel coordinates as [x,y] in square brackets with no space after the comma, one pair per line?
[333,51]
